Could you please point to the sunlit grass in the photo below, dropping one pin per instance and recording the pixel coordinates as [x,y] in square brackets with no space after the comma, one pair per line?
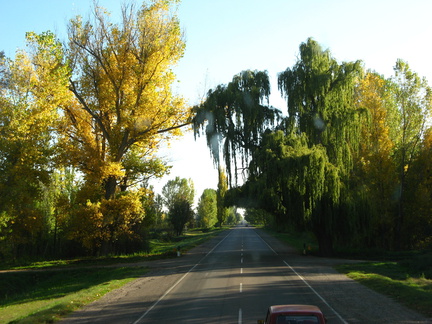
[395,281]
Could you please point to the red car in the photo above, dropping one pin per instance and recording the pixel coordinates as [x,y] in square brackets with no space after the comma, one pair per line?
[294,314]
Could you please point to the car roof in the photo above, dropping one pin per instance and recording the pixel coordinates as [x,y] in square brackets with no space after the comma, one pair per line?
[294,308]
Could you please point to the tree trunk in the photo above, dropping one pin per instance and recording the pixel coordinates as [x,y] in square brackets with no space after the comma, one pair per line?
[110,187]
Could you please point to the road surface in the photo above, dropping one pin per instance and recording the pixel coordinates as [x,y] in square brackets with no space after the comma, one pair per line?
[233,279]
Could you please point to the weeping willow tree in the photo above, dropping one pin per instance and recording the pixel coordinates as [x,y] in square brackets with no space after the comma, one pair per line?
[292,180]
[299,174]
[234,117]
[320,96]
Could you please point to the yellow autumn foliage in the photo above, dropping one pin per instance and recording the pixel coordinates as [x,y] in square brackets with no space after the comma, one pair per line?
[122,84]
[108,220]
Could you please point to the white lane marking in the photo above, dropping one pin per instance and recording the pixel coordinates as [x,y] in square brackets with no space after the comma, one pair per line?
[178,281]
[307,284]
[241,287]
[241,270]
[241,261]
[316,293]
[240,316]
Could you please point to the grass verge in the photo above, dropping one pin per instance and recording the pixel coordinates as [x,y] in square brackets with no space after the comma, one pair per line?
[396,281]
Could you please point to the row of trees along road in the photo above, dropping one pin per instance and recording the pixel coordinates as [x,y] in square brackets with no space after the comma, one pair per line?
[178,197]
[351,160]
[81,123]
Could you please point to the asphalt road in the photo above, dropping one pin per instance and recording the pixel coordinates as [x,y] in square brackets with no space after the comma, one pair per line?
[233,279]
[235,283]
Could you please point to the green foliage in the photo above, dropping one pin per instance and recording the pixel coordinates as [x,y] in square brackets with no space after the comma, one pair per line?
[234,116]
[26,149]
[320,99]
[233,217]
[258,216]
[343,159]
[176,189]
[305,169]
[414,102]
[207,209]
[296,178]
[222,211]
[179,214]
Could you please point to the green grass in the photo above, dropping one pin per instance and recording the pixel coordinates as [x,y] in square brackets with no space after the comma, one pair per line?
[45,291]
[399,282]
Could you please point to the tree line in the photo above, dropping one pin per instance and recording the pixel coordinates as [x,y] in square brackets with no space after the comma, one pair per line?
[81,123]
[350,160]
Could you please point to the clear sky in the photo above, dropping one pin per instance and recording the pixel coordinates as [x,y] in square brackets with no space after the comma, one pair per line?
[225,37]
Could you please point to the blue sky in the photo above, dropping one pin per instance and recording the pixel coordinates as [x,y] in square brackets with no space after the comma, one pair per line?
[224,37]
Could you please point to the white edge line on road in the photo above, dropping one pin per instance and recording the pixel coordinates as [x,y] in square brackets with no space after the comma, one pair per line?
[178,281]
[316,293]
[307,284]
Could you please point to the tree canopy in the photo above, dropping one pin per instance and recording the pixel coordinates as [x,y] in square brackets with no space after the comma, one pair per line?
[339,162]
[121,79]
[233,118]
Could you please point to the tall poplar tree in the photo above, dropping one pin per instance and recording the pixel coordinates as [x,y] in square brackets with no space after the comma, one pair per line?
[222,211]
[178,197]
[375,172]
[207,208]
[121,79]
[111,84]
[30,88]
[413,98]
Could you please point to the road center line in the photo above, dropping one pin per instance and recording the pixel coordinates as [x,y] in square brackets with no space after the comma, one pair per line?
[240,316]
[178,281]
[241,287]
